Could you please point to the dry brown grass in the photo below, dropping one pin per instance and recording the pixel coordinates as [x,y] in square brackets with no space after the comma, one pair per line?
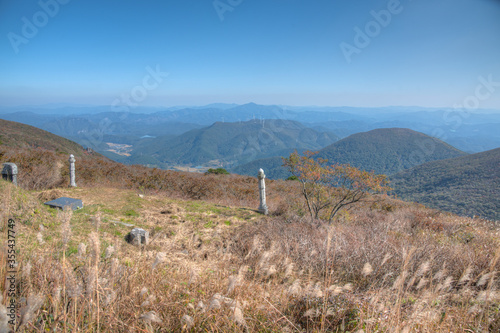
[214,264]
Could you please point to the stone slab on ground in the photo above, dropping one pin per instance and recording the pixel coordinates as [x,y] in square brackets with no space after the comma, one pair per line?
[65,203]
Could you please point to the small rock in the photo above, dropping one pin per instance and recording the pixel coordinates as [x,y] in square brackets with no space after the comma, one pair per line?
[138,236]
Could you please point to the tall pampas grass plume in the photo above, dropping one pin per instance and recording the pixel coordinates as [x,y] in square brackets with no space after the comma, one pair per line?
[367,269]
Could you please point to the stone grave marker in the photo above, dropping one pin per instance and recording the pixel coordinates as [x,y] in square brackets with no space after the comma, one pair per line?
[72,161]
[9,172]
[262,193]
[65,203]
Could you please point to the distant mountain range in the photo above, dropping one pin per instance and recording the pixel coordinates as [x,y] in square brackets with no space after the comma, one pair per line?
[468,131]
[385,151]
[466,185]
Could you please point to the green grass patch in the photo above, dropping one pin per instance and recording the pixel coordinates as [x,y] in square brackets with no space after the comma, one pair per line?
[192,218]
[195,206]
[72,249]
[209,225]
[108,211]
[216,210]
[131,212]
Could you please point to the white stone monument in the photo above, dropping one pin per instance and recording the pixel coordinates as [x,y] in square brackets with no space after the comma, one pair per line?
[72,160]
[262,191]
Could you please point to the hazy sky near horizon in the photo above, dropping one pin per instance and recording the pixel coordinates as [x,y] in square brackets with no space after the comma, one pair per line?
[293,52]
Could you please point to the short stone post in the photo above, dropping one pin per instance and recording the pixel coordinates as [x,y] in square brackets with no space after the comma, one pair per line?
[72,160]
[9,172]
[138,236]
[262,191]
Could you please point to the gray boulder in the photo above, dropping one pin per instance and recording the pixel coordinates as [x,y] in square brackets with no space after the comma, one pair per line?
[138,236]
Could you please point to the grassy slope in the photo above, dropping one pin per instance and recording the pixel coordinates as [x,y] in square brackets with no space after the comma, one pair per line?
[17,135]
[467,185]
[215,262]
[41,157]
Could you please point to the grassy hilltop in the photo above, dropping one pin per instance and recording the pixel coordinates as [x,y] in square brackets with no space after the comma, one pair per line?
[19,136]
[215,265]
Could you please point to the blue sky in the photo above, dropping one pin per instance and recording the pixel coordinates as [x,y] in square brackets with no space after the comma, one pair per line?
[426,52]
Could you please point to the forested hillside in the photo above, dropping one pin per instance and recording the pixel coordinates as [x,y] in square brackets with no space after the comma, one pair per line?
[467,185]
[232,143]
[388,150]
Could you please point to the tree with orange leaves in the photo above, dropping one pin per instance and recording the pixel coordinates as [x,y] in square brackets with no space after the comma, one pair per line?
[332,187]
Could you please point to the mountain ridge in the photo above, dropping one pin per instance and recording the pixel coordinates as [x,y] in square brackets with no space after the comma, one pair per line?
[473,134]
[388,150]
[232,143]
[14,135]
[385,151]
